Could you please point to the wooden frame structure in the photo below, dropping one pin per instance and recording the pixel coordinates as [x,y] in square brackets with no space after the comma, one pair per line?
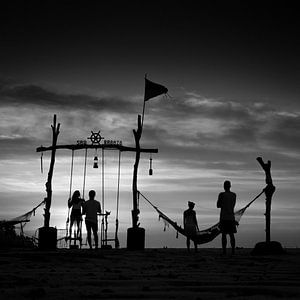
[137,149]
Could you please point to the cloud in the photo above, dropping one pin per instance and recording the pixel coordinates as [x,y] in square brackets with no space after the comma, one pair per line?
[186,130]
[201,141]
[190,128]
[13,94]
[285,132]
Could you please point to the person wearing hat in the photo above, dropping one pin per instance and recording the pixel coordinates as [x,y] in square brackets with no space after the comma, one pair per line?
[190,224]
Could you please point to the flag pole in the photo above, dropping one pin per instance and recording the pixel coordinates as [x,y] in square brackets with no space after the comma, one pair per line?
[143,114]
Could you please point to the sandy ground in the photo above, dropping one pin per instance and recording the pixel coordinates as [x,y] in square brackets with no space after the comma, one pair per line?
[149,274]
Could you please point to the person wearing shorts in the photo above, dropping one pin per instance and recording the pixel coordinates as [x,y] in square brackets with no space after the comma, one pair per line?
[76,213]
[226,201]
[91,208]
[190,224]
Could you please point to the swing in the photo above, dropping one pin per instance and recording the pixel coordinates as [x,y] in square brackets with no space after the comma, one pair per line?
[104,222]
[78,232]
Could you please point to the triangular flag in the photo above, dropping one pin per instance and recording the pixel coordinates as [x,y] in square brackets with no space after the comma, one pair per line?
[153,89]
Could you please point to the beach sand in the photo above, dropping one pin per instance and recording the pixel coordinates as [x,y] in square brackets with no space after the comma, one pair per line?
[148,274]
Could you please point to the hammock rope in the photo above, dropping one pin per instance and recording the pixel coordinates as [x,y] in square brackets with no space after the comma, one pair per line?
[202,236]
[23,218]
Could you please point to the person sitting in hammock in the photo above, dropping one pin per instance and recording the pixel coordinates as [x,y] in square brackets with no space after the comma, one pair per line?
[190,224]
[76,213]
[226,201]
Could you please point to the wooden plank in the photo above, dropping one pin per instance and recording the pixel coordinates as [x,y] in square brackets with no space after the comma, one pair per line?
[101,146]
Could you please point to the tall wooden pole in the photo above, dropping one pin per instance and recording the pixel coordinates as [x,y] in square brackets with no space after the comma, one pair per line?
[137,136]
[136,234]
[269,191]
[55,132]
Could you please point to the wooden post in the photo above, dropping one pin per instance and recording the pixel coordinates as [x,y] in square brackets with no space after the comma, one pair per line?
[269,191]
[267,247]
[55,133]
[136,234]
[137,136]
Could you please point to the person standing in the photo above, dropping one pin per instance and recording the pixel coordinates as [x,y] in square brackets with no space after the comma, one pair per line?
[76,213]
[226,201]
[91,208]
[190,224]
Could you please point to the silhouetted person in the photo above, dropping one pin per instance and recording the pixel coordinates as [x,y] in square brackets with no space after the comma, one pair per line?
[76,213]
[226,201]
[91,208]
[190,224]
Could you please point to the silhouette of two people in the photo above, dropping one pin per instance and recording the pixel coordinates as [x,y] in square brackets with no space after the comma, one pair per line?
[226,201]
[90,209]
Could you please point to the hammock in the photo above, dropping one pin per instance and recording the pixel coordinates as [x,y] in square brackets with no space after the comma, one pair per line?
[21,219]
[202,236]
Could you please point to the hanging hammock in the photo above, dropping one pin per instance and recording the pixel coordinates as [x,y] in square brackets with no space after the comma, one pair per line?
[21,219]
[202,236]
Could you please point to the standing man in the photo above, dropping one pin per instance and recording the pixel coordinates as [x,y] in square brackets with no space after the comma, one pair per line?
[190,224]
[91,208]
[226,201]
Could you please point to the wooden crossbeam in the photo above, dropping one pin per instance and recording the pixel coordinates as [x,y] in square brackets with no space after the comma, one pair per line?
[100,146]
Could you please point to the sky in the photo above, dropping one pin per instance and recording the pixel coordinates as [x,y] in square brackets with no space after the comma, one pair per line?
[232,70]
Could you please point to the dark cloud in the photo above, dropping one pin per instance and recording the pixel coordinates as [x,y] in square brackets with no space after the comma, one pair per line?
[17,147]
[12,94]
[285,132]
[186,130]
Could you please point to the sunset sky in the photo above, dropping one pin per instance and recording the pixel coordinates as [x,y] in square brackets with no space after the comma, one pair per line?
[232,72]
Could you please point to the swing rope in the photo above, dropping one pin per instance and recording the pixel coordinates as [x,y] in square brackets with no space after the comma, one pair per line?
[84,173]
[117,244]
[102,179]
[71,175]
[103,230]
[70,192]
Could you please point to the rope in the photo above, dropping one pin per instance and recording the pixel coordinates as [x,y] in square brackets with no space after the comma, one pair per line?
[25,217]
[117,244]
[71,174]
[84,173]
[118,187]
[103,235]
[70,192]
[155,207]
[255,198]
[103,179]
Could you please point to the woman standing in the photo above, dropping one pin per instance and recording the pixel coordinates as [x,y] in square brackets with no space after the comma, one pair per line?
[76,213]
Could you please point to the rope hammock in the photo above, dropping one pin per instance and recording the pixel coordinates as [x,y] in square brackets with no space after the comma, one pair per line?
[23,218]
[202,236]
